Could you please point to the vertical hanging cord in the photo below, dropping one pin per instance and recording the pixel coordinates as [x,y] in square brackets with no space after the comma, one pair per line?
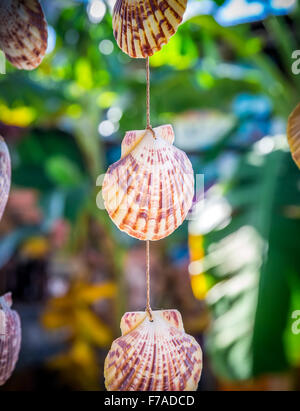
[148,92]
[149,127]
[148,307]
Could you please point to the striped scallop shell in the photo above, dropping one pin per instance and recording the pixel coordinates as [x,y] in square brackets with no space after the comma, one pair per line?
[150,190]
[142,27]
[5,175]
[10,338]
[23,32]
[293,134]
[153,356]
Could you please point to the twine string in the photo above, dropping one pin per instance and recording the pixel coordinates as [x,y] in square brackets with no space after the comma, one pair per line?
[148,307]
[149,127]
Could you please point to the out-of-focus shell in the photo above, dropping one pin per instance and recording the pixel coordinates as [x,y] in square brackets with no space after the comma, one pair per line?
[10,338]
[153,356]
[142,27]
[23,32]
[150,190]
[293,134]
[5,175]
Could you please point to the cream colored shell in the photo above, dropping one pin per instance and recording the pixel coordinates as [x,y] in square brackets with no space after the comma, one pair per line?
[153,356]
[142,27]
[10,338]
[150,190]
[5,175]
[23,32]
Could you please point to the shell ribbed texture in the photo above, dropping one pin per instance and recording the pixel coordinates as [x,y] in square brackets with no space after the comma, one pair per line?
[153,356]
[23,32]
[150,190]
[5,175]
[10,338]
[142,27]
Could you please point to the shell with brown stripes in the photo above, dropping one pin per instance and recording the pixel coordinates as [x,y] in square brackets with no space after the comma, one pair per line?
[142,27]
[153,355]
[5,175]
[150,190]
[23,32]
[10,338]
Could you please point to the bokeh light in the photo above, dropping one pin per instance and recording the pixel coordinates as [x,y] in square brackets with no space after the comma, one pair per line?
[106,128]
[106,47]
[96,11]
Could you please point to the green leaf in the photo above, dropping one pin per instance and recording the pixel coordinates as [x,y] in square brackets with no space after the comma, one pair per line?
[63,171]
[256,260]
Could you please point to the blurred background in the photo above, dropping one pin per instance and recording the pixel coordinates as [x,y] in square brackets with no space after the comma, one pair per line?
[225,83]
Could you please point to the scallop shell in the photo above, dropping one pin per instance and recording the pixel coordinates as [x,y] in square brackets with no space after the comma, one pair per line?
[10,338]
[5,175]
[150,190]
[153,356]
[142,27]
[23,32]
[293,134]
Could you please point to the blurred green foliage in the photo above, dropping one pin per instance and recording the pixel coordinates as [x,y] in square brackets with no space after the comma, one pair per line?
[257,270]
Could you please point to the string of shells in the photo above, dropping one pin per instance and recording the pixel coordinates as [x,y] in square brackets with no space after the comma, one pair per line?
[23,33]
[142,27]
[148,194]
[10,338]
[150,190]
[153,355]
[293,134]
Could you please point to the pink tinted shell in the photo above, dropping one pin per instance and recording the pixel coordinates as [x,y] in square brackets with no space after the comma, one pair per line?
[150,190]
[153,355]
[5,175]
[10,338]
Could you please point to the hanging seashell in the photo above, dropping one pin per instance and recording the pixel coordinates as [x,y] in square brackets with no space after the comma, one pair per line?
[23,32]
[141,27]
[10,338]
[153,356]
[5,175]
[150,190]
[293,134]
